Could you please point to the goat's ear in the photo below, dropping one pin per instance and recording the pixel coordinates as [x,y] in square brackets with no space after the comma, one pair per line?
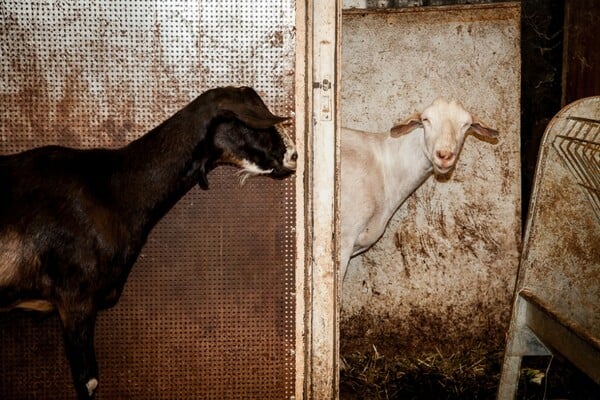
[408,125]
[480,128]
[250,109]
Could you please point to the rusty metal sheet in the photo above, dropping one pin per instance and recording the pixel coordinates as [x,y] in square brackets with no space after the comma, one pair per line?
[561,255]
[209,309]
[448,260]
[558,287]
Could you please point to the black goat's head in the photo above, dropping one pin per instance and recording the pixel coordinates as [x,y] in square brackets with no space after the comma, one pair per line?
[250,136]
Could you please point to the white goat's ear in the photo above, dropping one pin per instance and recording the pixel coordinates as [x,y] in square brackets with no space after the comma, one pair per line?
[408,125]
[480,128]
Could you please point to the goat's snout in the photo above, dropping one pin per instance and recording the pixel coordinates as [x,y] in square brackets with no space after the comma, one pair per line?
[288,166]
[444,161]
[445,155]
[290,158]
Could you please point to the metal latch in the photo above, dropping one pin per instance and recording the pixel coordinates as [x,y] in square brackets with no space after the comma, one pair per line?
[325,85]
[325,71]
[324,99]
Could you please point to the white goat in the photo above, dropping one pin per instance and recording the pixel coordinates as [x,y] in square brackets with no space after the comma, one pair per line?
[380,170]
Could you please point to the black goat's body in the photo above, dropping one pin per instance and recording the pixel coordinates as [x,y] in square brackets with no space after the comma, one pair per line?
[80,226]
[73,222]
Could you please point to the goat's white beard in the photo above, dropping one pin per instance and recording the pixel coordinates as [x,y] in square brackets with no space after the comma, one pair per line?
[249,169]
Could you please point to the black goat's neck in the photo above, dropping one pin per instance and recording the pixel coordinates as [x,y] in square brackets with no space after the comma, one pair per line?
[164,164]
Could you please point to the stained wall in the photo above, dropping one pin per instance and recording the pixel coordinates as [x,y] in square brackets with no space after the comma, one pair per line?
[443,273]
[209,308]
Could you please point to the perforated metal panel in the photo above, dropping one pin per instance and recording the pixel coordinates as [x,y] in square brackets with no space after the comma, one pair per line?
[208,311]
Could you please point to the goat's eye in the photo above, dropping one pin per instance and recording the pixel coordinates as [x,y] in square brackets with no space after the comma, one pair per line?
[425,120]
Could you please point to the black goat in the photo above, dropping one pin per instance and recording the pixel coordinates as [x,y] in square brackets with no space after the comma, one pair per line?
[73,222]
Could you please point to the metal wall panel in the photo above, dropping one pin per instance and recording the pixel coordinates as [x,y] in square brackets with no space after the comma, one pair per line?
[556,307]
[209,309]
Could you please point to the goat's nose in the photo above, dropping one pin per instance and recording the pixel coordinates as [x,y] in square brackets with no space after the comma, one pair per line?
[294,156]
[444,155]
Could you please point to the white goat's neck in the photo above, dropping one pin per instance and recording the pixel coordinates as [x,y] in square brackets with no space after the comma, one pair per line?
[405,166]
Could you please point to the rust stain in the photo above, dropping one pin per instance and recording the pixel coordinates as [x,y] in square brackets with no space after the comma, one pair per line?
[419,331]
[276,39]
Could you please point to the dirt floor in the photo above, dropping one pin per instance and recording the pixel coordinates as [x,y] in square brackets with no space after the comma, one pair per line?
[471,374]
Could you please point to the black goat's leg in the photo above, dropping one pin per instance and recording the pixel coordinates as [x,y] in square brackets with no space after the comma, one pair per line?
[78,334]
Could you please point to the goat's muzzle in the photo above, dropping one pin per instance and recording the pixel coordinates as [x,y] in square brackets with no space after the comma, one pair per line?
[290,160]
[444,161]
[281,173]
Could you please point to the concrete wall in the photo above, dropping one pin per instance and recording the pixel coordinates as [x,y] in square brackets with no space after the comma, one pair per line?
[444,271]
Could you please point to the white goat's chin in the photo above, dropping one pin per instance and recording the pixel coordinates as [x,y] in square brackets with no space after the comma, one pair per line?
[249,169]
[442,170]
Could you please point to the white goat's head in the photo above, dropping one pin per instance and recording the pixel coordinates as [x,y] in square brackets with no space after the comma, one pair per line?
[445,125]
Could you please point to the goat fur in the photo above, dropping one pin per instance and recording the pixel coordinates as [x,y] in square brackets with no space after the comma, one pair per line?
[380,170]
[73,221]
